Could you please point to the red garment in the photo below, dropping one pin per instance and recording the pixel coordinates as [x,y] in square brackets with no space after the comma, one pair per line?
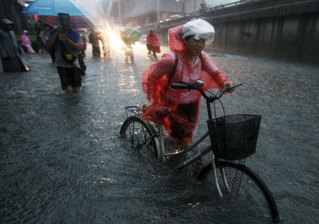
[84,42]
[153,41]
[165,110]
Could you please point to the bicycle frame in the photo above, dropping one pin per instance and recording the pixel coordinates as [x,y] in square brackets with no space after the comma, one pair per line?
[201,152]
[160,146]
[156,133]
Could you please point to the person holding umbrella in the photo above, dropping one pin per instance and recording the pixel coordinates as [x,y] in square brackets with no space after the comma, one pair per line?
[67,44]
[128,51]
[129,36]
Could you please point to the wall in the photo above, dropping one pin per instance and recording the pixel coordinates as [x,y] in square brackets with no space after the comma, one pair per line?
[141,12]
[286,29]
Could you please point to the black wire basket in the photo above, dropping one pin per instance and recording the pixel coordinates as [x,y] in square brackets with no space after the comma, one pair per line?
[234,137]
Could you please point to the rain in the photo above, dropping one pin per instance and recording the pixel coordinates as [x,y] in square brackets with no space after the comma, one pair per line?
[63,160]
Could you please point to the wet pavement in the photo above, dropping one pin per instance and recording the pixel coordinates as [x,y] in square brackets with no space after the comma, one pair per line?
[62,161]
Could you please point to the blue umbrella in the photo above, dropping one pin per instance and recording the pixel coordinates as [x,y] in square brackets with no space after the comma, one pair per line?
[53,7]
[47,10]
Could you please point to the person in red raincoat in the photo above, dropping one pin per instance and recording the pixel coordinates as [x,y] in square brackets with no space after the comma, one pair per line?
[177,109]
[152,44]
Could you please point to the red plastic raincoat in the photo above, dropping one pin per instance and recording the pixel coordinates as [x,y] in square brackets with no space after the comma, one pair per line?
[153,41]
[166,109]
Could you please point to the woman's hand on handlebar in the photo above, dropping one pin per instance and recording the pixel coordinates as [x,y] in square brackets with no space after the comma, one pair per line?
[229,85]
[148,104]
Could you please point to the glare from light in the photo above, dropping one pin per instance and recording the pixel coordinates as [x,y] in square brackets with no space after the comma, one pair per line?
[112,37]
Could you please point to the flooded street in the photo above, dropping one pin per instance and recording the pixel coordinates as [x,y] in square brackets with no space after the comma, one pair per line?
[62,161]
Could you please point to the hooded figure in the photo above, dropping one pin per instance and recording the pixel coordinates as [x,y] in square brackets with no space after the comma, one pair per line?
[26,42]
[10,50]
[152,43]
[178,109]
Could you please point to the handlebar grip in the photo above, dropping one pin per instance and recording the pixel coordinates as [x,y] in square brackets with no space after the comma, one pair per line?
[237,85]
[179,86]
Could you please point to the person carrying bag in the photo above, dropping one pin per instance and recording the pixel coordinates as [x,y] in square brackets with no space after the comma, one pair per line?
[67,45]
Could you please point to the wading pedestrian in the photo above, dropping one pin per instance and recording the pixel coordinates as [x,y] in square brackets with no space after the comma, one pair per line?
[67,45]
[176,109]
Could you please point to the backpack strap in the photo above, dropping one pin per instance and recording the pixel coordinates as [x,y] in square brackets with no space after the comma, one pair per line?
[175,66]
[173,69]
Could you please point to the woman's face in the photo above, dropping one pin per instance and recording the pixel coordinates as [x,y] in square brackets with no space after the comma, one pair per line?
[194,47]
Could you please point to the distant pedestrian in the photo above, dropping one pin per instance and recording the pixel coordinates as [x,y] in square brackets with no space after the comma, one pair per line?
[152,44]
[94,39]
[40,42]
[10,50]
[26,42]
[128,50]
[106,46]
[40,37]
[38,26]
[84,40]
[82,54]
[47,36]
[67,45]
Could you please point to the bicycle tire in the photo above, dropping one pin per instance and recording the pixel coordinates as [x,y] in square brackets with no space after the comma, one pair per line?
[141,136]
[246,191]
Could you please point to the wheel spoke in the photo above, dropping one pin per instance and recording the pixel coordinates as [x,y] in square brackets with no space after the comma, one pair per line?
[245,194]
[140,136]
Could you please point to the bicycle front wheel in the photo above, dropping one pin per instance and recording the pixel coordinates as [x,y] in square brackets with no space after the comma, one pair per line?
[244,192]
[141,136]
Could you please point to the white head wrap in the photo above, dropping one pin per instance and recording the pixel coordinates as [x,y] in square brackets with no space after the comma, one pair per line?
[199,29]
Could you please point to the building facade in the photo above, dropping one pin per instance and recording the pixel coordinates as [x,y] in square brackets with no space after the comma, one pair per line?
[140,13]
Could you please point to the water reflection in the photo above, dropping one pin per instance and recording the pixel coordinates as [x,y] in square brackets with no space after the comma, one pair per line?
[62,161]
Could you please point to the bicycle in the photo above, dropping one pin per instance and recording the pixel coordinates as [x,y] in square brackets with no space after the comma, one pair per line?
[227,169]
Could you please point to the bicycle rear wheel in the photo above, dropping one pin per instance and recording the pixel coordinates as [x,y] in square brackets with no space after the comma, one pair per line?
[141,136]
[244,192]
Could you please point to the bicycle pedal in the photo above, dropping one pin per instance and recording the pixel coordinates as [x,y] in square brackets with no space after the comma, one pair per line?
[174,152]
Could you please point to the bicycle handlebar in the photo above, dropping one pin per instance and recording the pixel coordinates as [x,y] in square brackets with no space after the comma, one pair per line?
[198,85]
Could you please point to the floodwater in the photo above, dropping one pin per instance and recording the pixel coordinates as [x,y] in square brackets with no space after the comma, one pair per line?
[62,161]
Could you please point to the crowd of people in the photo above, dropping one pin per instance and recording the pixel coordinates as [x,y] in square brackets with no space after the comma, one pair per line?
[65,45]
[41,44]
